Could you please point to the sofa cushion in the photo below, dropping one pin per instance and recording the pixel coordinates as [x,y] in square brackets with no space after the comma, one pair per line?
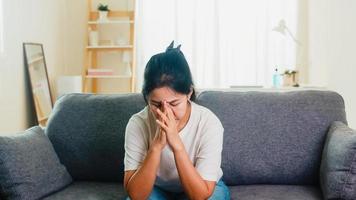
[88,133]
[275,192]
[29,166]
[273,137]
[90,191]
[338,166]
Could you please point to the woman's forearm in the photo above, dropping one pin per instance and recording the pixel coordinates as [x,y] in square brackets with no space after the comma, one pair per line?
[194,186]
[141,183]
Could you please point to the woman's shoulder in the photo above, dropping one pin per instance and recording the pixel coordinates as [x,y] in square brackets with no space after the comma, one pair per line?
[204,113]
[140,117]
[209,123]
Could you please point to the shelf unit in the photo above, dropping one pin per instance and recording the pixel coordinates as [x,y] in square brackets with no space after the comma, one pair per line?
[112,76]
[112,22]
[92,54]
[110,47]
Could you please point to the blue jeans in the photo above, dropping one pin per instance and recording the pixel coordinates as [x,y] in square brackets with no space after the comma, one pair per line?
[221,192]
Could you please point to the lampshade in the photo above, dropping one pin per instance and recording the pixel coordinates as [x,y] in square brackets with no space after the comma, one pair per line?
[281,27]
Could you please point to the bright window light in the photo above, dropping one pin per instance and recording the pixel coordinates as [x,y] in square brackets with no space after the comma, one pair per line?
[1,29]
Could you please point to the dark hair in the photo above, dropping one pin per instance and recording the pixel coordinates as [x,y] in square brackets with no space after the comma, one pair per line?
[170,69]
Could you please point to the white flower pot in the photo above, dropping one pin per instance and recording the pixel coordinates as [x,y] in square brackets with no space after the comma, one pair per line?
[103,15]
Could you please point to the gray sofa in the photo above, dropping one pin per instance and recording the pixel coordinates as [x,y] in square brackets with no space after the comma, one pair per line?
[273,141]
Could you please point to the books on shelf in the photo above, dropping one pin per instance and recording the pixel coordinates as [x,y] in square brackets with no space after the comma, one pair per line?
[100,72]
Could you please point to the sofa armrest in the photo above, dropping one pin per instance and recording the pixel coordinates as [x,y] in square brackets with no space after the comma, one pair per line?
[338,165]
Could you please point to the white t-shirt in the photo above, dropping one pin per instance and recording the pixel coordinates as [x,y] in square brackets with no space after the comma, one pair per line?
[202,137]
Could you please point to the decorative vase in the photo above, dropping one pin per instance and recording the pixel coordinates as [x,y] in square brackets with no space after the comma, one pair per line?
[93,38]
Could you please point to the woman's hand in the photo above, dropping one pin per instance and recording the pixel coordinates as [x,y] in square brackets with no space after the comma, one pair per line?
[169,125]
[160,140]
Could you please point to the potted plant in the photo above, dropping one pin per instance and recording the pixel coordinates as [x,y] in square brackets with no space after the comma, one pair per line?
[103,11]
[290,78]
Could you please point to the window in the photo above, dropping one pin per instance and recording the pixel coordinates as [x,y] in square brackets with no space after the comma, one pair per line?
[227,43]
[1,29]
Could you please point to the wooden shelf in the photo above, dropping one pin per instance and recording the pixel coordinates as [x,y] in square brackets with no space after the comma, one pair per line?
[111,22]
[112,76]
[113,14]
[114,47]
[118,26]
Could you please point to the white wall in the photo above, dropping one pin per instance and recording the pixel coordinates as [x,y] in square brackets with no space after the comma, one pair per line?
[60,26]
[76,19]
[332,49]
[40,21]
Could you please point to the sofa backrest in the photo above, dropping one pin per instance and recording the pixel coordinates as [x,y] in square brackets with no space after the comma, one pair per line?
[270,137]
[87,132]
[273,137]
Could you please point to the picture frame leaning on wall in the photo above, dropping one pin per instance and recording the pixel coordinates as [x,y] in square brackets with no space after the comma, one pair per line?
[35,64]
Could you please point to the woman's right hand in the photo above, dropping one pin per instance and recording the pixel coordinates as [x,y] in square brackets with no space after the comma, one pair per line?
[160,140]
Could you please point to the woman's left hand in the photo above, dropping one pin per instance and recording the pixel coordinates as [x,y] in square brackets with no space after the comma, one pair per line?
[170,126]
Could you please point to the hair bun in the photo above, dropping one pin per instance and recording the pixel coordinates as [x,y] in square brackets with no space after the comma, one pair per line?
[171,47]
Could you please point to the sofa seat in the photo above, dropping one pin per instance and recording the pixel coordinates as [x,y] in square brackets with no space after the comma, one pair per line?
[275,192]
[115,191]
[90,191]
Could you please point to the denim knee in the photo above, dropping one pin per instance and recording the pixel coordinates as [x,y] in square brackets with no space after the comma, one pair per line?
[221,192]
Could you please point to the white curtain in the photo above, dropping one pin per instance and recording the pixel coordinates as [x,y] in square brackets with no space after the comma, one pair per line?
[226,42]
[1,30]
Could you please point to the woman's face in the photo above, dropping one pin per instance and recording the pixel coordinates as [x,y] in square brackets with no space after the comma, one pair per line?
[176,101]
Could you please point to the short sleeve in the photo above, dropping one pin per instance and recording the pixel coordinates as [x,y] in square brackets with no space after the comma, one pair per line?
[135,145]
[208,159]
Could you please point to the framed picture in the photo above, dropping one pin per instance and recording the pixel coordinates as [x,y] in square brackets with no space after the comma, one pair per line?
[36,65]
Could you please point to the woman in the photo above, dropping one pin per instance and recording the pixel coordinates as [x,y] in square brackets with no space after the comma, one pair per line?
[173,146]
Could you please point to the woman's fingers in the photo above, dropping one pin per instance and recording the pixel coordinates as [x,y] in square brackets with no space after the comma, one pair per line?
[164,111]
[169,111]
[163,135]
[160,135]
[162,115]
[164,126]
